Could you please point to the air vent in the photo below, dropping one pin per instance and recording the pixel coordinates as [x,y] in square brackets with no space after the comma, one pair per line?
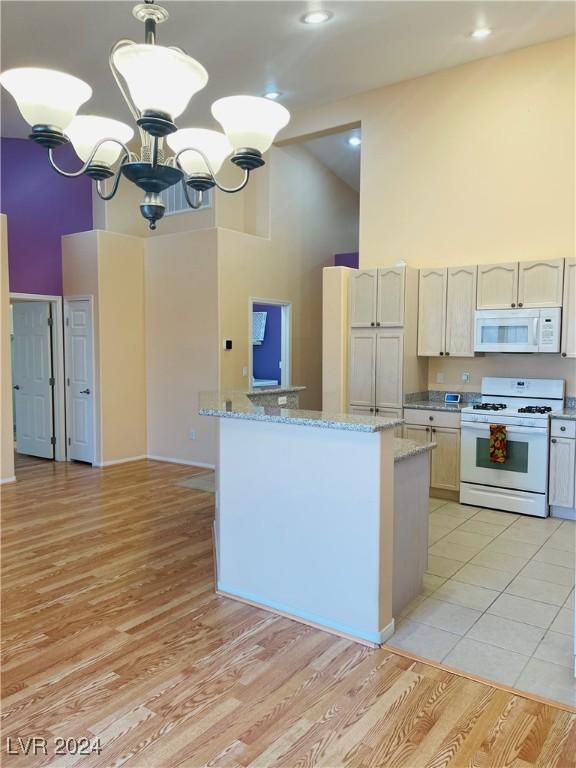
[175,200]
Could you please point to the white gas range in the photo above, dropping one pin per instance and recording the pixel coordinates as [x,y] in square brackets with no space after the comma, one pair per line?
[520,484]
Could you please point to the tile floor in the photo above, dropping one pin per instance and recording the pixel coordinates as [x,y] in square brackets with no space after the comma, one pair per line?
[498,599]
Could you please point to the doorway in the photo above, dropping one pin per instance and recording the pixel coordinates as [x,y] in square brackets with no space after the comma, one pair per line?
[270,350]
[80,390]
[38,375]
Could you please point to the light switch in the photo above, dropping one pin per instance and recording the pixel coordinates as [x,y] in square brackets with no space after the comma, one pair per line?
[439,378]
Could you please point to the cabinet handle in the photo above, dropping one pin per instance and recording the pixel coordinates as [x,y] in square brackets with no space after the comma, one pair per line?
[564,354]
[553,440]
[520,304]
[447,353]
[372,324]
[562,429]
[433,430]
[378,324]
[441,354]
[376,410]
[513,305]
[427,429]
[371,410]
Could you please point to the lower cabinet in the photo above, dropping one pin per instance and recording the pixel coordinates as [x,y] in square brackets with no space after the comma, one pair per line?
[424,426]
[562,480]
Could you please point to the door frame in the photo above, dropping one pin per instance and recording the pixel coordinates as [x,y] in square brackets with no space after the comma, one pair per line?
[95,435]
[285,342]
[57,366]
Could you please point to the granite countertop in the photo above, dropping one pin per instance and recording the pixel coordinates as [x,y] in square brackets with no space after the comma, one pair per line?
[237,405]
[404,449]
[565,413]
[436,405]
[272,390]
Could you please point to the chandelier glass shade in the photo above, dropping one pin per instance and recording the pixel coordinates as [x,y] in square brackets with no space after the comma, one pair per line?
[157,83]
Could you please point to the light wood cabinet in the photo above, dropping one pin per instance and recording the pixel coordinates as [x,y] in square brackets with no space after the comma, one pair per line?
[432,312]
[497,286]
[389,351]
[363,293]
[540,283]
[386,413]
[377,298]
[562,472]
[568,346]
[460,306]
[417,433]
[362,367]
[390,299]
[445,465]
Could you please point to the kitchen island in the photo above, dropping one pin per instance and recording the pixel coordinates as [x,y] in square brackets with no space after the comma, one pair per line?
[305,514]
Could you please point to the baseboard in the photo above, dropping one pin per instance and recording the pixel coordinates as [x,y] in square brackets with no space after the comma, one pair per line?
[186,462]
[118,461]
[442,493]
[5,480]
[372,639]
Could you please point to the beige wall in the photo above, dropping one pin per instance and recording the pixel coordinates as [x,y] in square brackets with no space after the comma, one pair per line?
[6,420]
[110,267]
[469,165]
[181,343]
[313,215]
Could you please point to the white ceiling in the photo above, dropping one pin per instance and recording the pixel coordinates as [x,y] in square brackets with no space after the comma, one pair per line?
[249,46]
[337,155]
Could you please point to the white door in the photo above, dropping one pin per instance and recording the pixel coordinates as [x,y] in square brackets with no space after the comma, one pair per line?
[390,309]
[32,379]
[363,288]
[460,306]
[362,365]
[432,312]
[540,283]
[497,286]
[79,380]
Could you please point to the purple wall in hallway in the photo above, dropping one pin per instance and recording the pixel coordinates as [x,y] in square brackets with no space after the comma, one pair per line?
[347,260]
[266,356]
[41,206]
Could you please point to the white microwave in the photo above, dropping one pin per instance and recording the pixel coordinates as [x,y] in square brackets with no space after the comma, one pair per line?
[517,330]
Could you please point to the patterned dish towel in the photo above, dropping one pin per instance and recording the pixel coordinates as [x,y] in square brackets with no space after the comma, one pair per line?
[498,444]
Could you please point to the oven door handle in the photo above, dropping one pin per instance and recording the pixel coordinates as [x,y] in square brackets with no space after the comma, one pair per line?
[511,428]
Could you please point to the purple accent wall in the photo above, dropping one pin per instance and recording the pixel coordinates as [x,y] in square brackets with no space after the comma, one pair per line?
[266,356]
[41,206]
[347,260]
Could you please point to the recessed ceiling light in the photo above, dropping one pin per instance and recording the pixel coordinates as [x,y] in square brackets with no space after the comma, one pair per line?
[354,141]
[272,95]
[480,33]
[316,17]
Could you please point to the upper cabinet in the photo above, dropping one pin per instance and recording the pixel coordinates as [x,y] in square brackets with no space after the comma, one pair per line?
[432,312]
[497,286]
[568,346]
[363,293]
[377,298]
[528,284]
[540,283]
[446,304]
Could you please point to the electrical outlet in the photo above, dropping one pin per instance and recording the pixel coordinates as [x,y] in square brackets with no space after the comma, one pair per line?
[244,371]
[282,400]
[466,377]
[439,378]
[192,434]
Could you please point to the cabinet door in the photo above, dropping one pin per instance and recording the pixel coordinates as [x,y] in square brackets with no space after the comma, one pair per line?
[390,308]
[497,286]
[540,283]
[460,306]
[391,413]
[416,433]
[363,289]
[562,470]
[389,349]
[568,348]
[432,312]
[362,362]
[445,472]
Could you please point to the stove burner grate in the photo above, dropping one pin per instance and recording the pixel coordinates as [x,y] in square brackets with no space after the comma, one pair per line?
[489,407]
[535,409]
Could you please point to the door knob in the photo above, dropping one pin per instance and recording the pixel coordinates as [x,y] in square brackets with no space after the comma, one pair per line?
[16,386]
[84,391]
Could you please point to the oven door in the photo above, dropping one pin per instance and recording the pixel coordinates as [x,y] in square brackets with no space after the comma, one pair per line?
[525,468]
[507,332]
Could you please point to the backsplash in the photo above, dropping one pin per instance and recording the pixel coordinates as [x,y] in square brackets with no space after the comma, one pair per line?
[437,395]
[570,402]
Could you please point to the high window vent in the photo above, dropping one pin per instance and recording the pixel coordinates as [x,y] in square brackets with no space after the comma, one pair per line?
[175,201]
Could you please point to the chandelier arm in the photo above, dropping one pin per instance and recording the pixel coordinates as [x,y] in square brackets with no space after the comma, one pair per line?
[74,174]
[195,205]
[230,190]
[100,184]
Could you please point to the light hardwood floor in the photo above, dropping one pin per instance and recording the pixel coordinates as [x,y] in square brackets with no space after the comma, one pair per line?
[111,629]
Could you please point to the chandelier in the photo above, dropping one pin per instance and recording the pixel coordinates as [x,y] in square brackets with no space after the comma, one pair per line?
[157,83]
